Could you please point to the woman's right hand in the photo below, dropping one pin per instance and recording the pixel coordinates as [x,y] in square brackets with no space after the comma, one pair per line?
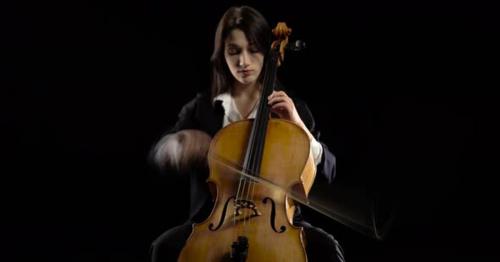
[183,151]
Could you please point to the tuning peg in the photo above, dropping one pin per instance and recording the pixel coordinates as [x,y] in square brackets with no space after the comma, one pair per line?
[297,45]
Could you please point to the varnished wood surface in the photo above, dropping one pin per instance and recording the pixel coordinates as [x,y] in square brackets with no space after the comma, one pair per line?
[287,161]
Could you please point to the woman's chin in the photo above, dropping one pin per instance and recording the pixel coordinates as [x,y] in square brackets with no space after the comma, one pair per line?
[246,80]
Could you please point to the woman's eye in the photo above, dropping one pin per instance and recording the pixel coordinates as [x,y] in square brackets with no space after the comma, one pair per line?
[232,51]
[254,49]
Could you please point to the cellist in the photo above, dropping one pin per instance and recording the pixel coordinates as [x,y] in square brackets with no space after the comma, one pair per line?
[241,40]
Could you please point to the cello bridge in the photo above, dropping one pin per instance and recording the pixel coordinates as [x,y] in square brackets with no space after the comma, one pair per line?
[246,204]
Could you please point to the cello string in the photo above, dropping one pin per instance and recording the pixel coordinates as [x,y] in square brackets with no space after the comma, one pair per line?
[240,192]
[249,198]
[253,200]
[246,187]
[250,164]
[250,161]
[260,145]
[243,180]
[262,123]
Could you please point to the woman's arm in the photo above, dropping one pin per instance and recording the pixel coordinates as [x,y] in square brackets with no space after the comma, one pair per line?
[183,146]
[298,112]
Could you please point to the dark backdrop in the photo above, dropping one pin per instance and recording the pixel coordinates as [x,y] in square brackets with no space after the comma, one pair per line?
[402,92]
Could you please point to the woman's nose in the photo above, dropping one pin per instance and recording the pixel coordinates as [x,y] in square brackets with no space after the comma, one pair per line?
[244,59]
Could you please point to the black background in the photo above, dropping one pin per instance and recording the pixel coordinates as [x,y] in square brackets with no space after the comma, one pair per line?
[402,92]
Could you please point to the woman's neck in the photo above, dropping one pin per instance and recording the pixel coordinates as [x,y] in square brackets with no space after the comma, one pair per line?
[246,98]
[251,91]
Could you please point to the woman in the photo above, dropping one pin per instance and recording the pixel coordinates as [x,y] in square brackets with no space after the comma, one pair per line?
[242,38]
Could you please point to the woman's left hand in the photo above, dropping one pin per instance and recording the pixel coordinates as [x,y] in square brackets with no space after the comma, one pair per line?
[282,105]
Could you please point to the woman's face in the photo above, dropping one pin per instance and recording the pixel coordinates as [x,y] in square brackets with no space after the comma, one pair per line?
[243,59]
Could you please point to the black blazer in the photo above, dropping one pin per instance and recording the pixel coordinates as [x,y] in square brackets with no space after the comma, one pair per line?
[200,113]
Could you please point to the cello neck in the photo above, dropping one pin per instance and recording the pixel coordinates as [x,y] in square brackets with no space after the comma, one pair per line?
[255,147]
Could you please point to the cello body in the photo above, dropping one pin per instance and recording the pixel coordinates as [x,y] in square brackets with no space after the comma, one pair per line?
[263,222]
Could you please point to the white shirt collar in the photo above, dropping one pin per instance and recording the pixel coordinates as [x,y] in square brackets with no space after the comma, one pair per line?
[231,111]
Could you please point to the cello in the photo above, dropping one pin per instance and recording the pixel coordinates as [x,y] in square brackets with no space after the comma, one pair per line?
[251,221]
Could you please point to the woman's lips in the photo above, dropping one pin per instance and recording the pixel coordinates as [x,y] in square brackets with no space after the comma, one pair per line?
[246,73]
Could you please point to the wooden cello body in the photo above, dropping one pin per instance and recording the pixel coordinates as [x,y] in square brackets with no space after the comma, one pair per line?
[251,221]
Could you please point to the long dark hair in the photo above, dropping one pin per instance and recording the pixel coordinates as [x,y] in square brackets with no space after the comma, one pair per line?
[256,30]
